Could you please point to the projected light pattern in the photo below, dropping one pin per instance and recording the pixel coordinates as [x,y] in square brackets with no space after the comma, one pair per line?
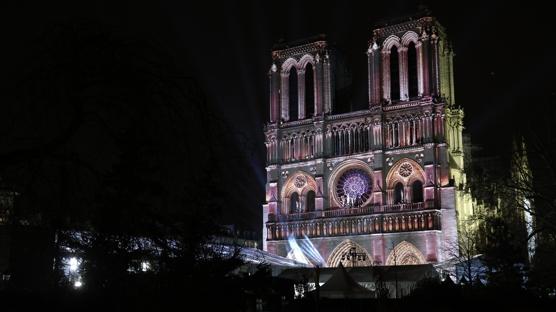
[304,251]
[295,252]
[311,252]
[353,188]
[256,256]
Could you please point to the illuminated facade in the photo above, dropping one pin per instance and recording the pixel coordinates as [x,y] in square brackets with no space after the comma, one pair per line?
[382,184]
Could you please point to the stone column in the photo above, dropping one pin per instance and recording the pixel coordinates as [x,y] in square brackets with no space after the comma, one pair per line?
[327,85]
[373,59]
[424,57]
[284,95]
[435,64]
[419,50]
[301,93]
[386,75]
[460,131]
[404,88]
[318,85]
[451,76]
[274,81]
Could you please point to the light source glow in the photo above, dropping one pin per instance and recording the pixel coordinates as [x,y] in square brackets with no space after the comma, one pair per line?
[145,266]
[73,264]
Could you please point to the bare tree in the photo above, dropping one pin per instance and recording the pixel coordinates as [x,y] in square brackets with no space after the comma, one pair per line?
[463,253]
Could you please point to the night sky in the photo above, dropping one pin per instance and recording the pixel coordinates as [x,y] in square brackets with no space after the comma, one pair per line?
[504,64]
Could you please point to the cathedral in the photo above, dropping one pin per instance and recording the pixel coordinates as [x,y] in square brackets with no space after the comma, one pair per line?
[379,186]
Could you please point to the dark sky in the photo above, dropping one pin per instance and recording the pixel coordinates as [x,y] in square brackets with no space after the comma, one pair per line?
[504,65]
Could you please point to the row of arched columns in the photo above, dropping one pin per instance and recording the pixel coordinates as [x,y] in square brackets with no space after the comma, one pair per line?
[355,137]
[300,89]
[355,226]
[295,146]
[403,67]
[346,140]
[408,131]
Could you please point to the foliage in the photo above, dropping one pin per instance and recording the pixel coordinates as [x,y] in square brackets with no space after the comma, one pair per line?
[101,146]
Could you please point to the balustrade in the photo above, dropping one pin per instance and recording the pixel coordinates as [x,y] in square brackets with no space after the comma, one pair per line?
[354,225]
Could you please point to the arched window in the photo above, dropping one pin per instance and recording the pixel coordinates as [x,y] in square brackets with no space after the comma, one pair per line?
[417,191]
[310,205]
[394,74]
[398,193]
[294,203]
[294,109]
[309,91]
[412,70]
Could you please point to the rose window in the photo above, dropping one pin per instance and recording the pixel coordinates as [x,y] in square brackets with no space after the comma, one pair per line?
[405,170]
[299,181]
[353,188]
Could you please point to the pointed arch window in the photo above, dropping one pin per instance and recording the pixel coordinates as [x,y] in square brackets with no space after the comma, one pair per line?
[398,193]
[310,205]
[417,189]
[309,91]
[295,206]
[293,109]
[412,70]
[394,74]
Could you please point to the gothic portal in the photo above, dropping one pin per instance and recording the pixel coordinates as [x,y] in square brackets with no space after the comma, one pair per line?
[384,183]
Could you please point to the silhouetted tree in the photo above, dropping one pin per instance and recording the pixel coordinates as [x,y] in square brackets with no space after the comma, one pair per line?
[106,137]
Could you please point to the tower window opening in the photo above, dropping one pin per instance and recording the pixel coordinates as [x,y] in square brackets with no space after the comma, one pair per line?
[309,91]
[293,109]
[412,70]
[394,75]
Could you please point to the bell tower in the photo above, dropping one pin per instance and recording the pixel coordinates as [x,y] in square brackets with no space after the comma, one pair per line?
[408,61]
[385,181]
[300,81]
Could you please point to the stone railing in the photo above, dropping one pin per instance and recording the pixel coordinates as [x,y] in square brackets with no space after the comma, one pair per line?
[343,212]
[356,225]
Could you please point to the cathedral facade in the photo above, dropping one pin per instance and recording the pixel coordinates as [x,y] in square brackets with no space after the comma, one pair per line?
[379,186]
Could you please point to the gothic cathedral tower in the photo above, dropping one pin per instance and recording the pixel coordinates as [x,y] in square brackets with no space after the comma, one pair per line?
[384,183]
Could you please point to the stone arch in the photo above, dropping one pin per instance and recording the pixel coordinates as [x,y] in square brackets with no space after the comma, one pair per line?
[306,59]
[341,252]
[405,253]
[299,182]
[337,173]
[390,42]
[287,65]
[408,37]
[394,175]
